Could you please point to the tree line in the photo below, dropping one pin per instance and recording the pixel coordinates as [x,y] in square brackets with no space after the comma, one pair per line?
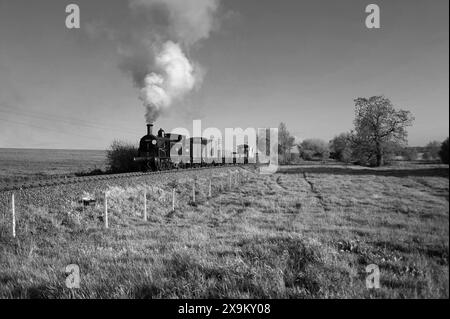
[379,134]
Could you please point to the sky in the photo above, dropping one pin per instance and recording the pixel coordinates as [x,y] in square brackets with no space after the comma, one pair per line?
[265,62]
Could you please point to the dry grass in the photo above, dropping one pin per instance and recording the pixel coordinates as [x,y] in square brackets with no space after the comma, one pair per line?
[298,234]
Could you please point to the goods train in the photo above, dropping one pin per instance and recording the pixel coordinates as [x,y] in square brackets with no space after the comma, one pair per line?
[166,151]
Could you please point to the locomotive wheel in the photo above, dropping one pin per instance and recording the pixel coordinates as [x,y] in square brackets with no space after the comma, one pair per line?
[148,166]
[152,165]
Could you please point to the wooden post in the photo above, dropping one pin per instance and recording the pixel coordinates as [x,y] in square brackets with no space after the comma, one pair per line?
[106,210]
[193,191]
[210,189]
[145,205]
[173,199]
[230,181]
[13,216]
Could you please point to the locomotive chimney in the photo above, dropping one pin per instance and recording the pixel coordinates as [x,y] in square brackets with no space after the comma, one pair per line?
[149,129]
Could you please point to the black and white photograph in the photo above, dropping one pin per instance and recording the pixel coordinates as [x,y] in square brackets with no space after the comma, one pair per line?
[224,154]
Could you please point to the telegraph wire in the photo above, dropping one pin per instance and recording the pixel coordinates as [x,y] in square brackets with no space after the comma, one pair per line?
[70,121]
[45,128]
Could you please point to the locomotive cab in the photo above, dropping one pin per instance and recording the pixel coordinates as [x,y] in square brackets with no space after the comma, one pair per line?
[161,133]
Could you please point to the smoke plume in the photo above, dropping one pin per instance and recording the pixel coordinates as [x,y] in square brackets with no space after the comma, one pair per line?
[153,48]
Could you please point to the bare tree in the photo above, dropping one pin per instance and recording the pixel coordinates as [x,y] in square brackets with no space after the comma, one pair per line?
[378,126]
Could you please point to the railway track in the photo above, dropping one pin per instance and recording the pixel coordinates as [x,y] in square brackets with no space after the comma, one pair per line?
[81,179]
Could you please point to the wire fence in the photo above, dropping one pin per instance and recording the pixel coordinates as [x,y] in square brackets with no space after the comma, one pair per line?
[146,201]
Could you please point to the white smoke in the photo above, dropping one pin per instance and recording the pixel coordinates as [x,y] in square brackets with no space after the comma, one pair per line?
[152,49]
[175,79]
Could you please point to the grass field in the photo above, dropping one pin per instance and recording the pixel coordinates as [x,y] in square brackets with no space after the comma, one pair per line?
[305,232]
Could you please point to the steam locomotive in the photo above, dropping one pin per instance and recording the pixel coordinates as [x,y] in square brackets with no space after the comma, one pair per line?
[166,151]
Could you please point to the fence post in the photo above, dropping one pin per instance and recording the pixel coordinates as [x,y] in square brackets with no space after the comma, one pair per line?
[230,181]
[193,191]
[106,210]
[145,205]
[173,199]
[210,189]
[13,216]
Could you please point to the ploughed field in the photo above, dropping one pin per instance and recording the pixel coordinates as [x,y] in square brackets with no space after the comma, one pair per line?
[17,165]
[305,232]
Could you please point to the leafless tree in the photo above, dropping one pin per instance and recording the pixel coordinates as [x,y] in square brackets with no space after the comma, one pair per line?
[378,126]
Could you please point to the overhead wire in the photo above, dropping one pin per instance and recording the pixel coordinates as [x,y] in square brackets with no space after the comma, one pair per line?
[70,121]
[45,128]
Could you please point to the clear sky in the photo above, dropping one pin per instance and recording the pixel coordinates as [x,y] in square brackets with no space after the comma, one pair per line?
[300,62]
